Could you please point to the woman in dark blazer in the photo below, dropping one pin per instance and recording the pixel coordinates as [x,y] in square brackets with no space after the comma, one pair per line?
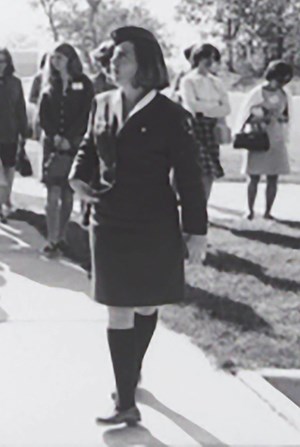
[64,109]
[13,124]
[135,136]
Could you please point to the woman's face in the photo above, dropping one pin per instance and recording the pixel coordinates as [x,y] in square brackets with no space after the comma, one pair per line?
[59,62]
[3,63]
[124,64]
[215,67]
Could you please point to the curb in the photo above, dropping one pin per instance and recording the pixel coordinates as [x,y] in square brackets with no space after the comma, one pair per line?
[273,398]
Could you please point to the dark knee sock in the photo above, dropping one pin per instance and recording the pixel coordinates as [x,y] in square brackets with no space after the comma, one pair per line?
[144,328]
[123,354]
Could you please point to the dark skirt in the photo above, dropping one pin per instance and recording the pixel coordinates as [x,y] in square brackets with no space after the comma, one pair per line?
[8,154]
[209,150]
[137,265]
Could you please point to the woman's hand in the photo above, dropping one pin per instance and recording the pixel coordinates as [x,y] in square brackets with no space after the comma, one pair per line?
[84,191]
[196,245]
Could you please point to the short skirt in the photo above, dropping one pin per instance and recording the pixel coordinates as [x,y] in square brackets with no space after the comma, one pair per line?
[208,147]
[8,154]
[137,265]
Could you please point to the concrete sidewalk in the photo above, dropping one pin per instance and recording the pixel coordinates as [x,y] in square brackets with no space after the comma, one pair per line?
[55,373]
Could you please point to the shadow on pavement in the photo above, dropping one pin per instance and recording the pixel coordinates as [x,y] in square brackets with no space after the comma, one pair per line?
[78,252]
[21,256]
[266,237]
[141,437]
[226,262]
[226,309]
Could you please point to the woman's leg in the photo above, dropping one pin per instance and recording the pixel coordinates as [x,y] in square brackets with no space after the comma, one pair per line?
[9,173]
[121,341]
[65,211]
[145,320]
[52,213]
[271,191]
[252,192]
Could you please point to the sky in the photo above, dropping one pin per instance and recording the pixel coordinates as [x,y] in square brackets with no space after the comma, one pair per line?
[17,17]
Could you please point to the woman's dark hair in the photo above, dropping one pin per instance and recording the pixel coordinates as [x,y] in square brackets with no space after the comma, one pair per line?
[280,71]
[205,51]
[74,65]
[43,61]
[152,72]
[10,68]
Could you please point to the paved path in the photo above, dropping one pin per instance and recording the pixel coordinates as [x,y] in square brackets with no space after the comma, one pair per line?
[55,374]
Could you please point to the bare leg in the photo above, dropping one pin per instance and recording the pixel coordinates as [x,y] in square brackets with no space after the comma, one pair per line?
[271,191]
[52,213]
[65,211]
[252,192]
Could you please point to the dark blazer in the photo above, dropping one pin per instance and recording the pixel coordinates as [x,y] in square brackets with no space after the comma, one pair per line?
[76,106]
[130,168]
[13,118]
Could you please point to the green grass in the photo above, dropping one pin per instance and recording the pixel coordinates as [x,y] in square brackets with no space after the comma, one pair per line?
[244,305]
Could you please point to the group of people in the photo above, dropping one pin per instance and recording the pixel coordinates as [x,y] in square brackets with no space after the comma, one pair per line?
[116,150]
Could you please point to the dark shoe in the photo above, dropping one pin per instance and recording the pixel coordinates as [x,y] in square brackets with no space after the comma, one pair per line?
[269,216]
[62,246]
[130,417]
[249,216]
[51,251]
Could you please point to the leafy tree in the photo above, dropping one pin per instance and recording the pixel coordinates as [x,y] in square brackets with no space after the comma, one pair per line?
[49,8]
[268,28]
[87,23]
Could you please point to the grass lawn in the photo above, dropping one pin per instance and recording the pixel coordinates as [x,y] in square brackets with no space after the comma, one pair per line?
[244,305]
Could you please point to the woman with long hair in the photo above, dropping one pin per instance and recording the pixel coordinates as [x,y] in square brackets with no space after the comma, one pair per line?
[135,136]
[64,109]
[270,103]
[13,125]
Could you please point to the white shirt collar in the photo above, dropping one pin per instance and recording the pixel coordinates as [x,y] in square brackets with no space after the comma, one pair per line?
[117,106]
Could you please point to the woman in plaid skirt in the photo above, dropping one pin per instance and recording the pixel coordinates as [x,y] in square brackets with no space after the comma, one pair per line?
[204,96]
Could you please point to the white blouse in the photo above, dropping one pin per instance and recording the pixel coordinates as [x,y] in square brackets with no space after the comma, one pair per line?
[204,94]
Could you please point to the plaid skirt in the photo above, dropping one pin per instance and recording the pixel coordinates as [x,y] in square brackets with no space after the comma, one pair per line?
[209,150]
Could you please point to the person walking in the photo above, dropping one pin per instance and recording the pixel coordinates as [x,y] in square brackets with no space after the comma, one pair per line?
[135,135]
[13,126]
[270,104]
[34,98]
[204,96]
[64,108]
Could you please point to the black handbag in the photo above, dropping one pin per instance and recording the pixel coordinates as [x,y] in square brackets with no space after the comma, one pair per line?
[255,139]
[23,165]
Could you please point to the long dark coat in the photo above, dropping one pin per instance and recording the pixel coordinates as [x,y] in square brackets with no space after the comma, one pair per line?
[137,249]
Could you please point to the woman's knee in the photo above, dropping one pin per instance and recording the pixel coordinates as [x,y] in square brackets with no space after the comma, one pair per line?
[120,317]
[146,310]
[254,179]
[53,196]
[272,180]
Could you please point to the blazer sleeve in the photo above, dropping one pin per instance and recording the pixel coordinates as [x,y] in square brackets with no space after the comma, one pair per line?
[188,176]
[45,115]
[86,162]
